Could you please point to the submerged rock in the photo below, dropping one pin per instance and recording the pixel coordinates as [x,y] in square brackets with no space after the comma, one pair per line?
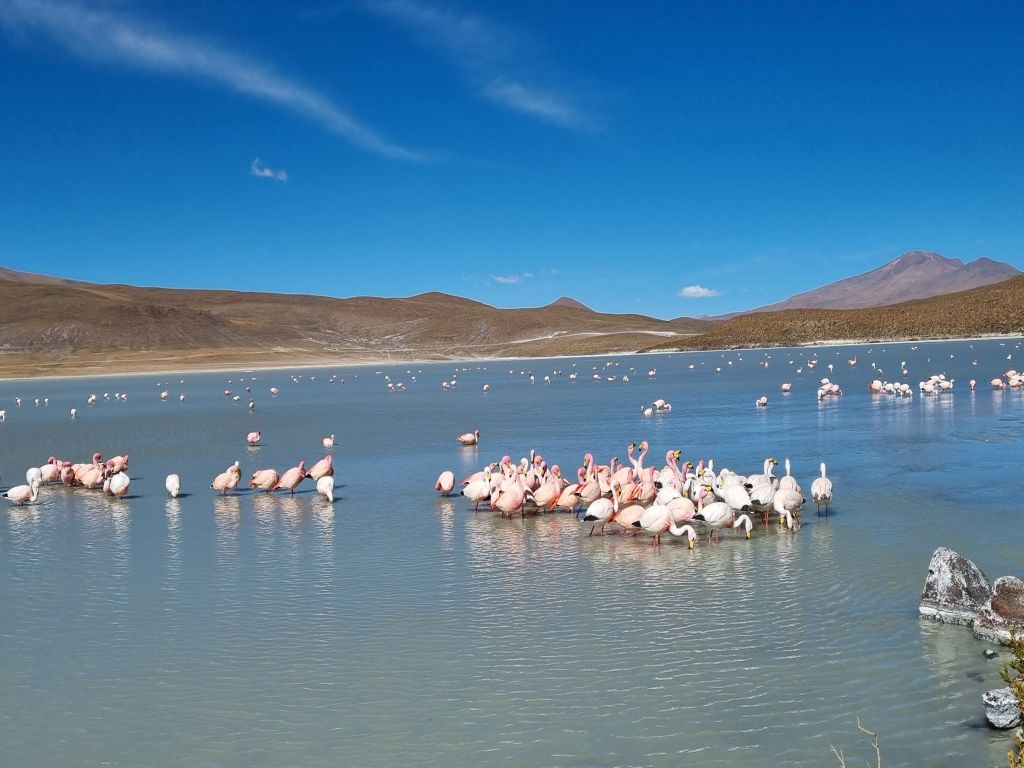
[955,590]
[1003,611]
[1001,708]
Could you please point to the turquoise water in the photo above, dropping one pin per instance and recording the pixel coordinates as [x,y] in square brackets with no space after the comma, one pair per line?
[399,628]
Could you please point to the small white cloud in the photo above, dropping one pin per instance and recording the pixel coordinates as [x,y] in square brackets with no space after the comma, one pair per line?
[698,292]
[261,171]
[507,279]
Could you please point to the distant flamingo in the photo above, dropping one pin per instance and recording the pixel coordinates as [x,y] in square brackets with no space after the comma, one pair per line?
[328,442]
[173,485]
[469,438]
[253,438]
[445,483]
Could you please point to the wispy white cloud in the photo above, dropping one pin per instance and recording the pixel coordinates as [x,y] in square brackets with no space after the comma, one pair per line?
[489,54]
[511,279]
[698,292]
[533,102]
[99,34]
[258,169]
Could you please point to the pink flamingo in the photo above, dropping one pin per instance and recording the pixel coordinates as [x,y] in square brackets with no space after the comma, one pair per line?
[328,442]
[323,468]
[253,438]
[118,464]
[264,480]
[469,438]
[548,493]
[445,483]
[22,494]
[511,497]
[81,469]
[291,479]
[50,471]
[228,479]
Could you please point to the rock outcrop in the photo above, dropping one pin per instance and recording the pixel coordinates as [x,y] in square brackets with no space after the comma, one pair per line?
[955,590]
[1001,708]
[1003,610]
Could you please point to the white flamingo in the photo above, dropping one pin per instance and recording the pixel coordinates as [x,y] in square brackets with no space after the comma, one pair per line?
[173,485]
[325,487]
[821,490]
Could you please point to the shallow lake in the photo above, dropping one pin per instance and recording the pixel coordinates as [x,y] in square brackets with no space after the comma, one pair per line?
[400,628]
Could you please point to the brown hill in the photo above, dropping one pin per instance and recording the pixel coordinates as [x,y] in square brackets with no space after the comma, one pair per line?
[50,326]
[568,301]
[914,275]
[992,309]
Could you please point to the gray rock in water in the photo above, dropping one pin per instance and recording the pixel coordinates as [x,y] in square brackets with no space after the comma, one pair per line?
[989,653]
[1001,708]
[1003,611]
[955,590]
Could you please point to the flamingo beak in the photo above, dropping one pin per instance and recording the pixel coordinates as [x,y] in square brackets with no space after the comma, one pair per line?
[748,534]
[692,543]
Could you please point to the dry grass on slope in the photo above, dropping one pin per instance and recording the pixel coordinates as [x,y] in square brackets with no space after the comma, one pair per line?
[989,310]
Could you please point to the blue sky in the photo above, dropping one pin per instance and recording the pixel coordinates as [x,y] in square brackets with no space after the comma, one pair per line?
[619,153]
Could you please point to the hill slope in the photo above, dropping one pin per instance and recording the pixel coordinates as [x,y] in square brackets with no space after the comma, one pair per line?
[991,309]
[51,326]
[914,275]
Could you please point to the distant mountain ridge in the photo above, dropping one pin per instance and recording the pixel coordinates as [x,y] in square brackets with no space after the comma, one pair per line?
[914,275]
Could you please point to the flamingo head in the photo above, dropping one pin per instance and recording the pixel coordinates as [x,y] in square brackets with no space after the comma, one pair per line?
[97,456]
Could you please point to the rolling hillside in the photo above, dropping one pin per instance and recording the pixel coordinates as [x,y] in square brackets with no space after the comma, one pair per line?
[992,309]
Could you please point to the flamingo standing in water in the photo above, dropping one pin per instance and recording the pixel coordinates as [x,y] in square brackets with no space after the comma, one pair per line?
[22,494]
[325,487]
[264,480]
[469,438]
[328,442]
[173,485]
[228,479]
[478,489]
[323,468]
[445,483]
[49,472]
[821,490]
[253,438]
[117,484]
[602,511]
[292,477]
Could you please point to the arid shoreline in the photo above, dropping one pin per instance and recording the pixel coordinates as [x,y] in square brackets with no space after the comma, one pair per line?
[215,361]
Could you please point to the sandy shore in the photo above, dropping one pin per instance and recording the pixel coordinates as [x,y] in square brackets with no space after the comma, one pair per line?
[20,367]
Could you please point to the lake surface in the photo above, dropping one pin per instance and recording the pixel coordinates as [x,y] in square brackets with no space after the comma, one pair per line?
[400,628]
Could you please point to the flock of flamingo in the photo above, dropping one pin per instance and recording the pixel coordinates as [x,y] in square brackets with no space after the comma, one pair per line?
[110,477]
[634,498]
[113,480]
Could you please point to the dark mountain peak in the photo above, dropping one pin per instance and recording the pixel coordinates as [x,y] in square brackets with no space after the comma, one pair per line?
[568,301]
